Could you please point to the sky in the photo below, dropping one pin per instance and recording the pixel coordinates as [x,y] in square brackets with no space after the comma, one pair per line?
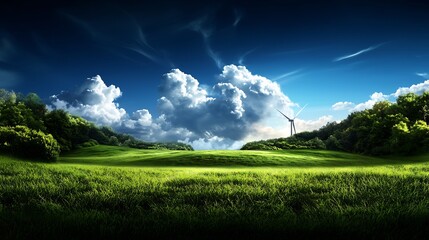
[213,73]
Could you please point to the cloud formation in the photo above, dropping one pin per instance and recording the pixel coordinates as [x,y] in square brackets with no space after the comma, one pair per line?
[423,75]
[310,125]
[238,15]
[240,107]
[342,106]
[415,88]
[379,96]
[374,98]
[288,74]
[117,37]
[357,53]
[235,103]
[202,27]
[242,57]
[94,100]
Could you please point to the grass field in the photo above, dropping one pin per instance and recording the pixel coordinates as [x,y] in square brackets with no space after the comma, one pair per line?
[112,192]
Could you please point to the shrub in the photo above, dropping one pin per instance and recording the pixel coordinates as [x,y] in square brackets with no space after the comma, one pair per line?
[89,143]
[113,141]
[315,143]
[332,143]
[22,141]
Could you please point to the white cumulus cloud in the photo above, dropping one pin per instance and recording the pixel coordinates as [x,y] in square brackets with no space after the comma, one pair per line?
[240,107]
[415,88]
[342,106]
[374,98]
[183,90]
[94,101]
[238,100]
[232,96]
[310,125]
[418,88]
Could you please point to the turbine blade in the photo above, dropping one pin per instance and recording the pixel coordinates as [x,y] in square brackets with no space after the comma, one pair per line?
[300,111]
[284,115]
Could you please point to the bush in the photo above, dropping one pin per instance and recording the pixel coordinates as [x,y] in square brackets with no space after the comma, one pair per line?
[89,143]
[285,144]
[316,143]
[259,146]
[332,143]
[20,140]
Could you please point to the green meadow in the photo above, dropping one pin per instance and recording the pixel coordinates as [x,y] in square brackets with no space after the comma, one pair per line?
[121,193]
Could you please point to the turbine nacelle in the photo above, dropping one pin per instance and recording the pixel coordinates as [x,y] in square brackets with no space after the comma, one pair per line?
[292,120]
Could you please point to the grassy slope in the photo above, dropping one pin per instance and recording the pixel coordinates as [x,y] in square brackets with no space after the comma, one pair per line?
[339,199]
[122,156]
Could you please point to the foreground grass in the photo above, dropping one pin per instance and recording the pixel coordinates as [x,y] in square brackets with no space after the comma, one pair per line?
[336,200]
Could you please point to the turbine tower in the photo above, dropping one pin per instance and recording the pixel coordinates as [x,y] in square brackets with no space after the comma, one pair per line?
[292,120]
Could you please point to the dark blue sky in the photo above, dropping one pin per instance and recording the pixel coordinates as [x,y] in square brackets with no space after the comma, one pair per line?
[319,52]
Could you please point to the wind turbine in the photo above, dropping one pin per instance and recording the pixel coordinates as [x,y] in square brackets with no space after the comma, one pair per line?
[292,120]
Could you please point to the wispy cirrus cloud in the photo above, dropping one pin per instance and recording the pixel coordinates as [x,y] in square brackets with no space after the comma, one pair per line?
[422,74]
[81,24]
[242,57]
[131,38]
[288,74]
[202,26]
[358,53]
[238,16]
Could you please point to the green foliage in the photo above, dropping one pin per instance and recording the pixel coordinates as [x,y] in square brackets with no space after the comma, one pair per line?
[58,124]
[22,141]
[386,128]
[419,133]
[332,143]
[316,143]
[159,146]
[7,97]
[16,111]
[36,105]
[113,141]
[89,143]
[285,143]
[70,131]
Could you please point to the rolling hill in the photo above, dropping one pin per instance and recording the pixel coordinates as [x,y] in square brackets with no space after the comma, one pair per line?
[115,192]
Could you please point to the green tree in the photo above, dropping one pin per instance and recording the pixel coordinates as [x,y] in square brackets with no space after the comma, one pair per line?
[409,106]
[315,143]
[332,143]
[7,97]
[113,141]
[419,136]
[29,112]
[33,102]
[58,124]
[13,114]
[23,141]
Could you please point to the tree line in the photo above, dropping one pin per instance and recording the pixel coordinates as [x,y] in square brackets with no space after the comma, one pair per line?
[386,128]
[29,129]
